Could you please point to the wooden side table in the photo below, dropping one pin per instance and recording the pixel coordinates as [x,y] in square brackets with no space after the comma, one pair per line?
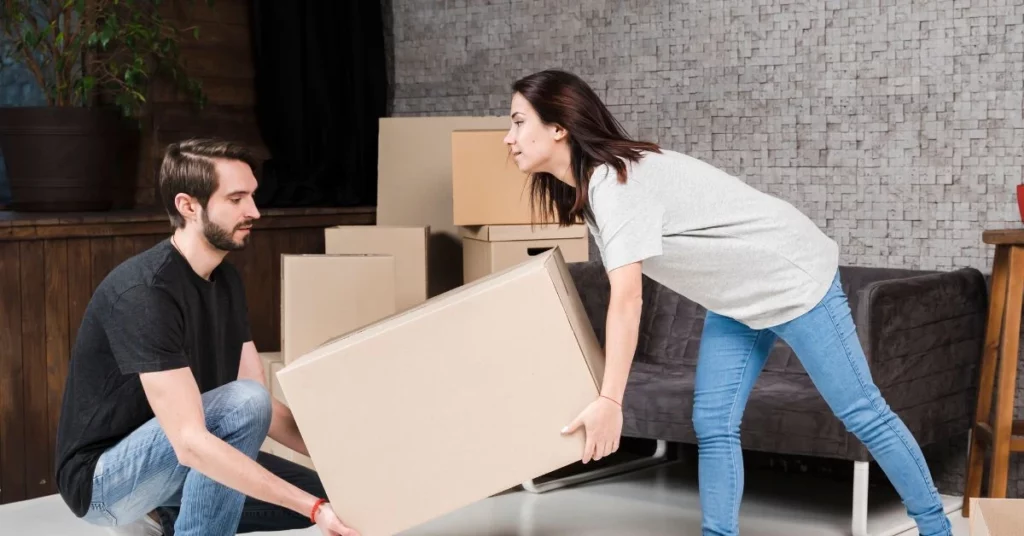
[998,432]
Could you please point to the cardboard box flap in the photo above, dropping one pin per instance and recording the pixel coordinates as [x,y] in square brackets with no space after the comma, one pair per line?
[505,233]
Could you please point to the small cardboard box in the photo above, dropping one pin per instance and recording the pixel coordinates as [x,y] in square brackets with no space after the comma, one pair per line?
[450,402]
[491,248]
[487,187]
[997,517]
[408,245]
[323,296]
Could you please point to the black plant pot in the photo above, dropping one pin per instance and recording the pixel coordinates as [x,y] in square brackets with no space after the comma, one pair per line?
[69,159]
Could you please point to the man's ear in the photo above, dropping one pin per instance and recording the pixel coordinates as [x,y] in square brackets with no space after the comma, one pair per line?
[187,206]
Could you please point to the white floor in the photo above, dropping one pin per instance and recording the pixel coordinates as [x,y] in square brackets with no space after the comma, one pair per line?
[657,502]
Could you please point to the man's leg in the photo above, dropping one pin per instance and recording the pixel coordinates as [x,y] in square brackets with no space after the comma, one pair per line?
[142,472]
[259,516]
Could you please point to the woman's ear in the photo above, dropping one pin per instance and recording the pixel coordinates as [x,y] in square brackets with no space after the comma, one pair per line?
[560,133]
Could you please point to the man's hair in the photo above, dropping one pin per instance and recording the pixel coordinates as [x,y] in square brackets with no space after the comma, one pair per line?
[188,168]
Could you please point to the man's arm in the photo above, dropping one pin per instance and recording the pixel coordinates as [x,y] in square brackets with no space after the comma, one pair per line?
[282,425]
[146,332]
[177,404]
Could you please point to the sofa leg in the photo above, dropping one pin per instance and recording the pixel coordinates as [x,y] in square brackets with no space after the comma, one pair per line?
[660,456]
[860,499]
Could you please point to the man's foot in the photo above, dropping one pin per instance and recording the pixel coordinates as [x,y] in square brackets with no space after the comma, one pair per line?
[147,526]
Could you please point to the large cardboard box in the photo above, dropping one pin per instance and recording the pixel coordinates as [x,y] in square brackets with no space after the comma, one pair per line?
[323,296]
[452,401]
[414,185]
[491,248]
[487,187]
[997,517]
[408,245]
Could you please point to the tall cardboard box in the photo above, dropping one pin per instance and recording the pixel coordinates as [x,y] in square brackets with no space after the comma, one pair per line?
[323,296]
[414,185]
[491,248]
[450,402]
[997,517]
[487,187]
[408,245]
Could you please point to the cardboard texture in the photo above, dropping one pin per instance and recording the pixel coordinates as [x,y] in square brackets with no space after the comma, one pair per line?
[273,447]
[487,187]
[408,245]
[414,185]
[497,247]
[323,296]
[452,401]
[997,517]
[268,359]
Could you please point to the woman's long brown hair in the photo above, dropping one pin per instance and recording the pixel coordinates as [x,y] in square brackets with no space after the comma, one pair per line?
[595,138]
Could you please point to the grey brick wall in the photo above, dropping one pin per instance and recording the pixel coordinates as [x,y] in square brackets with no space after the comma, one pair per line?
[17,88]
[896,125]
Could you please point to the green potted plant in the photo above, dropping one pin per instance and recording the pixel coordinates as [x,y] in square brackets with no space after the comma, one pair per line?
[94,61]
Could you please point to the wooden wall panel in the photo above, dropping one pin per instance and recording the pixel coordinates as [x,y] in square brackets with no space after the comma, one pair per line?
[48,272]
[58,341]
[33,362]
[12,392]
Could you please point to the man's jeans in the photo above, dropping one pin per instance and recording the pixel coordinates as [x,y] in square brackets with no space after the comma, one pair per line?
[142,474]
[825,341]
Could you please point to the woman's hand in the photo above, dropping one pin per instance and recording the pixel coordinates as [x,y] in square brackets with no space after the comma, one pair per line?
[602,420]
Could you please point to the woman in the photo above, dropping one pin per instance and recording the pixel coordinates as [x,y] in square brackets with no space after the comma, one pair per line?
[761,268]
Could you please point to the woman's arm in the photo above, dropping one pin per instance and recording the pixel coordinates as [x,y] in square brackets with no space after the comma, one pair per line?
[622,328]
[602,418]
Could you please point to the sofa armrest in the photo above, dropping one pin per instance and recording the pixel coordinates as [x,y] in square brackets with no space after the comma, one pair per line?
[923,336]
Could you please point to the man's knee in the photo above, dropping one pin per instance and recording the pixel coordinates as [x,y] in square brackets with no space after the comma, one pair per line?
[249,405]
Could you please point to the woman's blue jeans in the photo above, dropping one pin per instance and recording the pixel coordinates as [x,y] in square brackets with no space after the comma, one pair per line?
[825,341]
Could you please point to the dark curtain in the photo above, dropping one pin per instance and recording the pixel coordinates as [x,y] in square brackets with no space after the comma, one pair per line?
[321,86]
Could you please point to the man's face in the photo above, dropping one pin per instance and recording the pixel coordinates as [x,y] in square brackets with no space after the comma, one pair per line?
[227,220]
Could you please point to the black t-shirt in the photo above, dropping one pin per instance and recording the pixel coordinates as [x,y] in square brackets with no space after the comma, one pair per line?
[151,313]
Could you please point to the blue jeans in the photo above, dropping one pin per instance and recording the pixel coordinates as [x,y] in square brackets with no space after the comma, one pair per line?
[825,341]
[141,474]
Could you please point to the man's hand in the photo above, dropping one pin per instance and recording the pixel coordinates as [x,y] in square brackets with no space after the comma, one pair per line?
[602,420]
[329,523]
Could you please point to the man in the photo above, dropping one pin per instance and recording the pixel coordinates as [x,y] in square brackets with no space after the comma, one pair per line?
[165,406]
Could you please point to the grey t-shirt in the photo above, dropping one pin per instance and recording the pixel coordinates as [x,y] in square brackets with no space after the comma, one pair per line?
[709,236]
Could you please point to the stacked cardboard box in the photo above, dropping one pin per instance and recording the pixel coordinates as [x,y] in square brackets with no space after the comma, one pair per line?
[491,205]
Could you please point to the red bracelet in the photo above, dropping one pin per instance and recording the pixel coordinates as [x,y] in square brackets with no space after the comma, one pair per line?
[613,400]
[312,513]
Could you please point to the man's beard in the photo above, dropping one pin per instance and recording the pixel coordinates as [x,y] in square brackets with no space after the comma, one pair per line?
[221,239]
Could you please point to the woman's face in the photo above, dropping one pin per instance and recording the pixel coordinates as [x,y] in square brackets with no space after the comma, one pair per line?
[532,143]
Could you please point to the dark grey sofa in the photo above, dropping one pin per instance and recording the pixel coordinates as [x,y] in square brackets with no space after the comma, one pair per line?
[923,334]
